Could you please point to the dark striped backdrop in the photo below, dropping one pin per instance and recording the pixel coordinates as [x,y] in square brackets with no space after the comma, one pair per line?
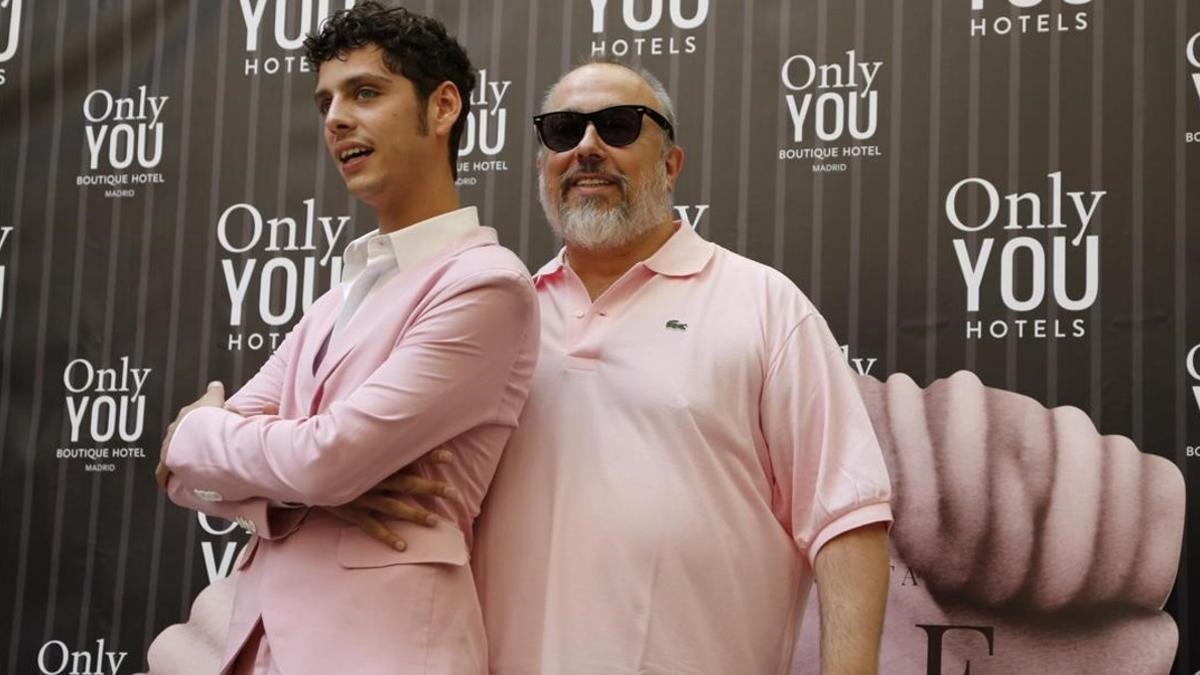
[167,211]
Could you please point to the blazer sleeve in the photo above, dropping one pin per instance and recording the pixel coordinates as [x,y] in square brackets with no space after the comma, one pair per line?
[449,373]
[266,387]
[269,520]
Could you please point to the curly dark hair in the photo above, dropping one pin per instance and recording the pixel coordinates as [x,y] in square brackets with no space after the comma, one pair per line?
[414,46]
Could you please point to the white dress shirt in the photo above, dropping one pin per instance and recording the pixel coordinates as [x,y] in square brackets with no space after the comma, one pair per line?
[406,247]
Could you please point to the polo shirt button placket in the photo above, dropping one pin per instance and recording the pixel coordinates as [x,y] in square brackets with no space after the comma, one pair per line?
[574,327]
[581,333]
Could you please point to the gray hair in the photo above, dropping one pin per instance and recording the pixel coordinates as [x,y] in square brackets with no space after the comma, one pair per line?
[655,84]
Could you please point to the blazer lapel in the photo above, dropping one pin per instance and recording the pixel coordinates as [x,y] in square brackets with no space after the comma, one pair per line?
[315,350]
[388,302]
[361,327]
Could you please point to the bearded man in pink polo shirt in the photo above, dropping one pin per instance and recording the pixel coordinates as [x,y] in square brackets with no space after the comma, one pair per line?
[694,449]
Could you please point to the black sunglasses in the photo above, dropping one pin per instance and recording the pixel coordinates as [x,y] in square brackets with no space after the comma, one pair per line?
[618,126]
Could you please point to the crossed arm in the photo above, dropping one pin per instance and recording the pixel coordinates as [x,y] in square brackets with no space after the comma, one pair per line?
[447,374]
[273,520]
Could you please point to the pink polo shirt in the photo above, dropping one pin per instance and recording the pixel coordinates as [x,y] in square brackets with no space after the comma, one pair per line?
[691,440]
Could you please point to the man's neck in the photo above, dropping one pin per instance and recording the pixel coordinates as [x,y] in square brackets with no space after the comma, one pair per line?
[421,204]
[599,268]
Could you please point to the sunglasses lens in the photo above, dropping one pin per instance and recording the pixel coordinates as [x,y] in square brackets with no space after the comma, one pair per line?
[562,131]
[618,126]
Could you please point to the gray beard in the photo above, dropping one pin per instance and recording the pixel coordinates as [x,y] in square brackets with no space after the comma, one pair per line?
[594,227]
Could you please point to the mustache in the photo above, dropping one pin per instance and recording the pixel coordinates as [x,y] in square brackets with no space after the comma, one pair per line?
[593,169]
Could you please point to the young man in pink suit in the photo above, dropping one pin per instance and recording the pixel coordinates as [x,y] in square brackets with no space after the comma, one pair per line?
[429,341]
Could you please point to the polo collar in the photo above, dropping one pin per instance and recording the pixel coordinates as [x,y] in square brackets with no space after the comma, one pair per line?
[684,254]
[552,266]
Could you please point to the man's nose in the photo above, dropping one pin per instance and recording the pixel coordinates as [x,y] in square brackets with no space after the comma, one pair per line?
[338,117]
[591,145]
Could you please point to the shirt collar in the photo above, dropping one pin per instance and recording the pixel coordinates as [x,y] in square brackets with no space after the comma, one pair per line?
[684,254]
[410,245]
[552,267]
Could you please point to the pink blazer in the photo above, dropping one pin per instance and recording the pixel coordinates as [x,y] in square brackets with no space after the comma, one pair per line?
[440,355]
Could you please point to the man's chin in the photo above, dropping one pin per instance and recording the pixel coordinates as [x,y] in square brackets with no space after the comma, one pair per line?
[610,241]
[576,199]
[364,189]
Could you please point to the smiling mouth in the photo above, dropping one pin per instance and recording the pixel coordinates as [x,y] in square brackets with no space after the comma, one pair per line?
[354,153]
[592,182]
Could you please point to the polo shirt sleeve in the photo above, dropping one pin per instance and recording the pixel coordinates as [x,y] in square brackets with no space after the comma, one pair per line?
[826,462]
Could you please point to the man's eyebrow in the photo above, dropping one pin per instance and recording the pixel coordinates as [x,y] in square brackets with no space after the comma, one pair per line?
[350,83]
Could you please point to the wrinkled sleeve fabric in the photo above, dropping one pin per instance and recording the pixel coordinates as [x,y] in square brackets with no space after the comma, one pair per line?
[447,374]
[266,387]
[827,466]
[271,520]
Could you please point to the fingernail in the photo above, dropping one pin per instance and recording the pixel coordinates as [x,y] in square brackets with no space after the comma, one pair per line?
[451,491]
[399,546]
[431,519]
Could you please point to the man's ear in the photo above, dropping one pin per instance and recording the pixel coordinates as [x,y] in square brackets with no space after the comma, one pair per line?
[443,108]
[674,162]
